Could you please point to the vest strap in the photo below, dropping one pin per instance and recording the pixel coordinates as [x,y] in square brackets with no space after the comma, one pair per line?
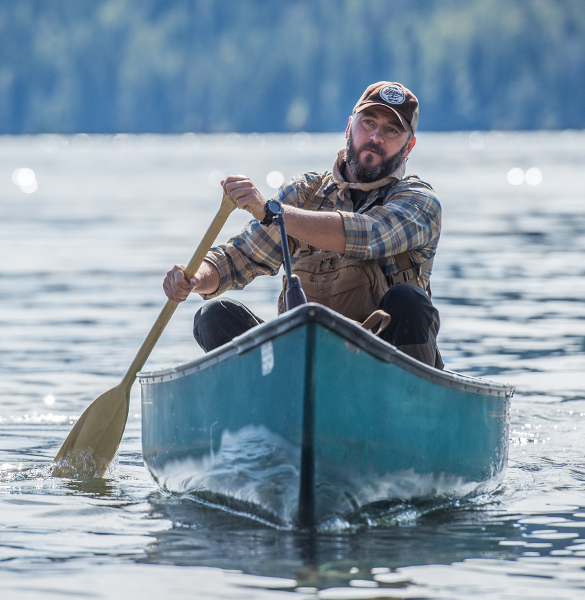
[407,272]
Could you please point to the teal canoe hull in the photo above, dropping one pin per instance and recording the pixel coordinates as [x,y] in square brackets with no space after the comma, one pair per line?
[310,418]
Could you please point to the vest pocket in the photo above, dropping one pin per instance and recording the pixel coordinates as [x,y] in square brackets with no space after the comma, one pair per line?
[350,287]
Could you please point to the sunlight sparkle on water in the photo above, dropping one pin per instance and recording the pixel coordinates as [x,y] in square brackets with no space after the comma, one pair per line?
[362,583]
[275,179]
[49,400]
[533,176]
[260,581]
[477,140]
[25,179]
[516,176]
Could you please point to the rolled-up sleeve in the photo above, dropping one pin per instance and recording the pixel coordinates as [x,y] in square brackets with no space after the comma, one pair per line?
[408,221]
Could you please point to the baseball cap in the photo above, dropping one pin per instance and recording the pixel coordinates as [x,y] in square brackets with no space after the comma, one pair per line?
[394,96]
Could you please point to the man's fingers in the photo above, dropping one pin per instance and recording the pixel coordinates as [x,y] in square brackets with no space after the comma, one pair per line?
[234,179]
[240,189]
[245,194]
[245,203]
[236,182]
[180,279]
[175,284]
[171,294]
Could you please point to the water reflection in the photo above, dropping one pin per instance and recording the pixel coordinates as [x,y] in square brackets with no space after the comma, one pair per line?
[202,536]
[201,533]
[94,487]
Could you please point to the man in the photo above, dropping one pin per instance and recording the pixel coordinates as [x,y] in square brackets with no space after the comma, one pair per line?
[364,210]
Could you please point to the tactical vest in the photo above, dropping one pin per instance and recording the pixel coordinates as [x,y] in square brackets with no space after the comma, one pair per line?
[349,286]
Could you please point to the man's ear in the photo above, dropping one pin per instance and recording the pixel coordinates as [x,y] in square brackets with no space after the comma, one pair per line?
[347,128]
[410,146]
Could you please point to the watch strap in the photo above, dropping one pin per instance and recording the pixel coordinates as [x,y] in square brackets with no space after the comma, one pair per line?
[269,216]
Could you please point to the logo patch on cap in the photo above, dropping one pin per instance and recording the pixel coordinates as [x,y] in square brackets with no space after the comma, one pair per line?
[392,94]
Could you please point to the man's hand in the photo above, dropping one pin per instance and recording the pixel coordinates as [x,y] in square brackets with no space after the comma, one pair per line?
[323,230]
[244,193]
[177,287]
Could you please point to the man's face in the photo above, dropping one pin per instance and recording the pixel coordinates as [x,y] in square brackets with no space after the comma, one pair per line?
[376,144]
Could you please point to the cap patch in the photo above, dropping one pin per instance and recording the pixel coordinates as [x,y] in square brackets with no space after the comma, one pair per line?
[392,94]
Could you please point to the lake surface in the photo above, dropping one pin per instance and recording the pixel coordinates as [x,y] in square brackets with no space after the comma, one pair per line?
[85,241]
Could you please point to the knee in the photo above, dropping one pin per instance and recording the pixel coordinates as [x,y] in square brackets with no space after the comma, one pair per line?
[413,317]
[220,320]
[405,298]
[212,311]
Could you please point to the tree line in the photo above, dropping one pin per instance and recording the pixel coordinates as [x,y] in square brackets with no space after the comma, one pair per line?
[171,66]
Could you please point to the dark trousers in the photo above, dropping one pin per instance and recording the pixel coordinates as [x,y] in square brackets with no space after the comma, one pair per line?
[413,328]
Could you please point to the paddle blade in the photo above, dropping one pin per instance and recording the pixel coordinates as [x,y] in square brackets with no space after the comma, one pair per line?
[92,443]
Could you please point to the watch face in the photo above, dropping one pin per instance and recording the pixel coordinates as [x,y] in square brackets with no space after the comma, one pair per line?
[274,207]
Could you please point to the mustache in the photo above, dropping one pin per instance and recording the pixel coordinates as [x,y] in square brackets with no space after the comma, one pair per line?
[371,146]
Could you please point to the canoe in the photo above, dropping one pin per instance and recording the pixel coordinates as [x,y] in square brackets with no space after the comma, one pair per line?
[310,418]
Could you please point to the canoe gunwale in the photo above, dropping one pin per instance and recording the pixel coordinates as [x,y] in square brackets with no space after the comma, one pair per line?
[357,338]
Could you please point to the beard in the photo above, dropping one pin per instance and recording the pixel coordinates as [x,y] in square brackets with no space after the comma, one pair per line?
[366,173]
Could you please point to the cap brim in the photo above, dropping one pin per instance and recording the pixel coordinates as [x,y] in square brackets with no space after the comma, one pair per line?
[405,124]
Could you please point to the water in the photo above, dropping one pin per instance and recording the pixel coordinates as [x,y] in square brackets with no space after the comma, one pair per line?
[82,259]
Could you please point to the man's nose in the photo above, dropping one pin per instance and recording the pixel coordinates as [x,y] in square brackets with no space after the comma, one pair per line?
[376,135]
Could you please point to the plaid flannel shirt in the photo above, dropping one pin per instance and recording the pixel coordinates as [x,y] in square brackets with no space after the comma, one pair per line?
[398,217]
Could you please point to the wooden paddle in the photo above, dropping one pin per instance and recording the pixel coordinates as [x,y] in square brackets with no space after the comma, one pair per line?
[93,441]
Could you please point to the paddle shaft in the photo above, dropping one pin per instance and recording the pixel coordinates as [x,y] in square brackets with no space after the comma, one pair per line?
[227,206]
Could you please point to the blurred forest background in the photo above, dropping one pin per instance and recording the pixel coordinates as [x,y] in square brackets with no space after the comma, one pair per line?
[173,66]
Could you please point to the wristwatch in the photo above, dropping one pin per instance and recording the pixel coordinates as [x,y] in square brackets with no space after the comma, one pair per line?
[272,208]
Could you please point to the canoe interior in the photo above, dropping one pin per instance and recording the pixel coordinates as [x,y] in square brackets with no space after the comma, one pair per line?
[309,419]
